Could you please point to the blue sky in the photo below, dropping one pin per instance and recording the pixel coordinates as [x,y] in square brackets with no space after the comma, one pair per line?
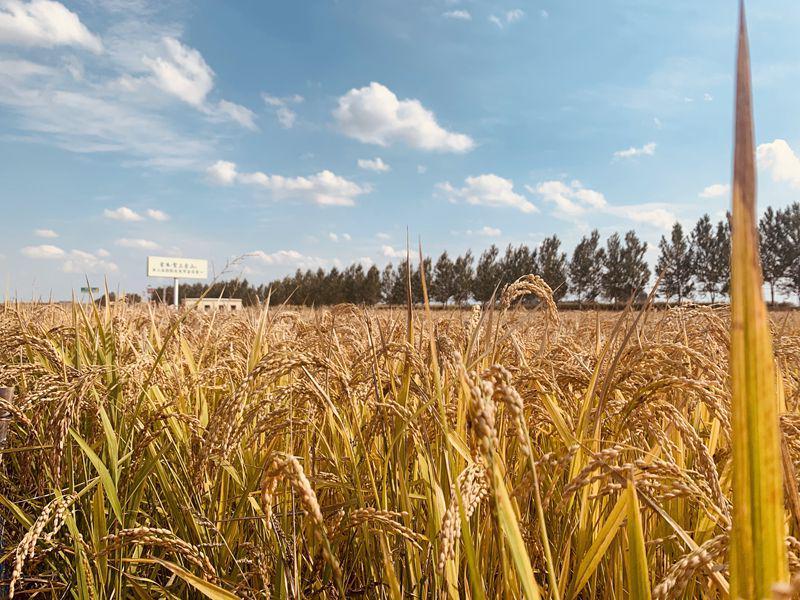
[313,133]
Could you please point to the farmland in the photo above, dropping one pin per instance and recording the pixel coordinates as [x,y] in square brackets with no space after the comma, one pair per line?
[286,453]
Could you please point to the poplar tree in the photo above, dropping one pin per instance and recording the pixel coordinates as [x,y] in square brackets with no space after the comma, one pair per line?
[552,266]
[676,265]
[586,268]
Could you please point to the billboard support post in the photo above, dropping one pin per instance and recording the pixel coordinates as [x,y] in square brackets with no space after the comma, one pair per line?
[176,293]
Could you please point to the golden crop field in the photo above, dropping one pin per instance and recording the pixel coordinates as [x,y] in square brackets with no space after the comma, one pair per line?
[287,454]
[505,452]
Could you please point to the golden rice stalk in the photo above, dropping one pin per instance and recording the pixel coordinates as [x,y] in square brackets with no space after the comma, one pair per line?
[758,555]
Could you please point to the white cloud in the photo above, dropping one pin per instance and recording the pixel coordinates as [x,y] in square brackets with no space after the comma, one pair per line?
[103,253]
[235,112]
[544,14]
[780,160]
[222,172]
[136,243]
[281,101]
[422,169]
[82,116]
[123,213]
[514,15]
[43,251]
[335,237]
[287,258]
[570,199]
[708,97]
[460,15]
[485,231]
[324,188]
[79,261]
[45,233]
[44,23]
[390,252]
[375,164]
[182,72]
[374,115]
[651,214]
[715,191]
[113,103]
[286,116]
[646,150]
[510,16]
[382,236]
[488,190]
[157,215]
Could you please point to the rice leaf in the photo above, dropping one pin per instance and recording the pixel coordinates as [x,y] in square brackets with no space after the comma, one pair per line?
[758,554]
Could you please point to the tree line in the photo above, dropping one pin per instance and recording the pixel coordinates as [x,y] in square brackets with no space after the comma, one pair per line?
[689,264]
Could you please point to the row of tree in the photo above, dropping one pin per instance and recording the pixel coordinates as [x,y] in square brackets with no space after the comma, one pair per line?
[697,263]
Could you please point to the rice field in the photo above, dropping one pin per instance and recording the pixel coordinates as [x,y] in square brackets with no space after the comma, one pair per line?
[502,452]
[278,453]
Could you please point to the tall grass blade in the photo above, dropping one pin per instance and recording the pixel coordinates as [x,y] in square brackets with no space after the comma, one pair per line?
[758,555]
[638,573]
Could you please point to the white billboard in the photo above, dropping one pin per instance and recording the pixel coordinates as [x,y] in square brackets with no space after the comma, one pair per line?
[178,268]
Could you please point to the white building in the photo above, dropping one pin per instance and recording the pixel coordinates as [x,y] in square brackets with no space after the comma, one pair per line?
[209,304]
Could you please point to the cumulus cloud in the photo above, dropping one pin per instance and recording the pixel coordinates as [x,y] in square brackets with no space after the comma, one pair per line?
[117,103]
[181,71]
[44,23]
[324,188]
[374,164]
[286,115]
[651,214]
[459,15]
[390,252]
[632,152]
[230,111]
[485,231]
[374,115]
[571,199]
[86,116]
[715,191]
[288,258]
[488,190]
[45,233]
[44,251]
[222,172]
[123,213]
[79,261]
[779,159]
[335,237]
[137,243]
[507,18]
[157,215]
